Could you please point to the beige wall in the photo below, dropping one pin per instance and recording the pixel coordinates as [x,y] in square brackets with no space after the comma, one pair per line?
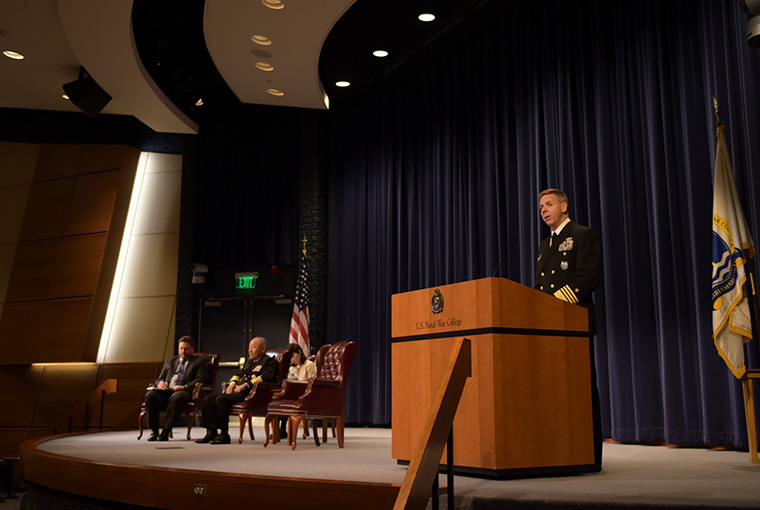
[140,326]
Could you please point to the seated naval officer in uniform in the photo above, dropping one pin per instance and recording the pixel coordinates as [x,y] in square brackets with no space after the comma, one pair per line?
[568,266]
[174,387]
[216,408]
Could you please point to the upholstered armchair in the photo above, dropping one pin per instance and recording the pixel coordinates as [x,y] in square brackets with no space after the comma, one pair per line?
[322,398]
[200,392]
[255,403]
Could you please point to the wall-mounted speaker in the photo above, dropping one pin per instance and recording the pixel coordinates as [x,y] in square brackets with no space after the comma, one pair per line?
[87,95]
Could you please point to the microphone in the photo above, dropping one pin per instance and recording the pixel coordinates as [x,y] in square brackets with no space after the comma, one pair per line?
[497,268]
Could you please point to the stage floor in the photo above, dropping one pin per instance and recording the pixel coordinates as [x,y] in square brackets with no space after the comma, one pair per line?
[632,475]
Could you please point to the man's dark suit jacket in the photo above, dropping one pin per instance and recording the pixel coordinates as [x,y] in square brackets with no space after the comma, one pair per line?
[196,371]
[571,266]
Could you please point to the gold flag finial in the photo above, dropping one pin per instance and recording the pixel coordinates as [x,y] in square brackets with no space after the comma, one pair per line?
[717,113]
[303,249]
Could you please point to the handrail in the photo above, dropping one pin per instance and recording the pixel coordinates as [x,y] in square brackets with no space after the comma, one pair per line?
[423,468]
[97,396]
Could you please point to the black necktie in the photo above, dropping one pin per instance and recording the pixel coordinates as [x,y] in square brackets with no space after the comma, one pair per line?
[551,241]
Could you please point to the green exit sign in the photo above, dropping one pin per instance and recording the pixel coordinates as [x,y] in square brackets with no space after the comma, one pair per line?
[246,280]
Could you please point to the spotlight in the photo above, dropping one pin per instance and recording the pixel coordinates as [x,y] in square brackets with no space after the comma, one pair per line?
[87,95]
[753,25]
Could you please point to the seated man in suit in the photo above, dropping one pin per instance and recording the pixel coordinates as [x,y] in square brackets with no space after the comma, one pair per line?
[174,387]
[216,408]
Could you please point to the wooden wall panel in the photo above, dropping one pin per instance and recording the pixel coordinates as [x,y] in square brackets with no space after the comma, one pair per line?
[58,160]
[21,328]
[37,396]
[78,266]
[63,269]
[33,271]
[133,380]
[65,330]
[92,203]
[10,439]
[68,248]
[63,386]
[47,210]
[20,385]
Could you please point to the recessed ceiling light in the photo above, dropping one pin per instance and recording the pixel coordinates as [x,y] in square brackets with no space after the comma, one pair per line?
[276,92]
[342,83]
[380,53]
[273,4]
[199,102]
[261,39]
[264,66]
[426,17]
[13,54]
[65,97]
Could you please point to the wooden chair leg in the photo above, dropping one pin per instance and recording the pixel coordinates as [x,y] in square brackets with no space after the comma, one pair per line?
[315,431]
[749,413]
[340,432]
[324,430]
[140,423]
[267,421]
[190,423]
[250,426]
[242,419]
[293,423]
[275,429]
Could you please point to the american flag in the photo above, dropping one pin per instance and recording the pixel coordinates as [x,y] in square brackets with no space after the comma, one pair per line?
[299,323]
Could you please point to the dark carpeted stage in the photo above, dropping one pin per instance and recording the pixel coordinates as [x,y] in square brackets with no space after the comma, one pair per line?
[114,470]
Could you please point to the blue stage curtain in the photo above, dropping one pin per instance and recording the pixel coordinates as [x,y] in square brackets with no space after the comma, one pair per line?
[435,171]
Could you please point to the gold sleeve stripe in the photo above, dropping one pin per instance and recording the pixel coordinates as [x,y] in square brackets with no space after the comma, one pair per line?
[570,296]
[234,378]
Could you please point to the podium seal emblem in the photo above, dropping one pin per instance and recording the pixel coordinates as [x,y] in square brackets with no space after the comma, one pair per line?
[436,302]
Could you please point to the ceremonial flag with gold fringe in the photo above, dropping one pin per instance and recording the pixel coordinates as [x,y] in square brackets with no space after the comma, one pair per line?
[732,247]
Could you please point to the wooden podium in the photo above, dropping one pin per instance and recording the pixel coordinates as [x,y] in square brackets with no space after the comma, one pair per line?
[526,409]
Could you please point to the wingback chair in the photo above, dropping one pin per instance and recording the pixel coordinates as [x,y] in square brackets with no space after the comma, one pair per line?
[323,397]
[255,403]
[200,392]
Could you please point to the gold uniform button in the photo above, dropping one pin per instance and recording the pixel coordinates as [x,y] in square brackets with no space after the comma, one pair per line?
[542,273]
[541,288]
[552,271]
[552,285]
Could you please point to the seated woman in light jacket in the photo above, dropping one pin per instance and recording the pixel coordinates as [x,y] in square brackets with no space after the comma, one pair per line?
[301,369]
